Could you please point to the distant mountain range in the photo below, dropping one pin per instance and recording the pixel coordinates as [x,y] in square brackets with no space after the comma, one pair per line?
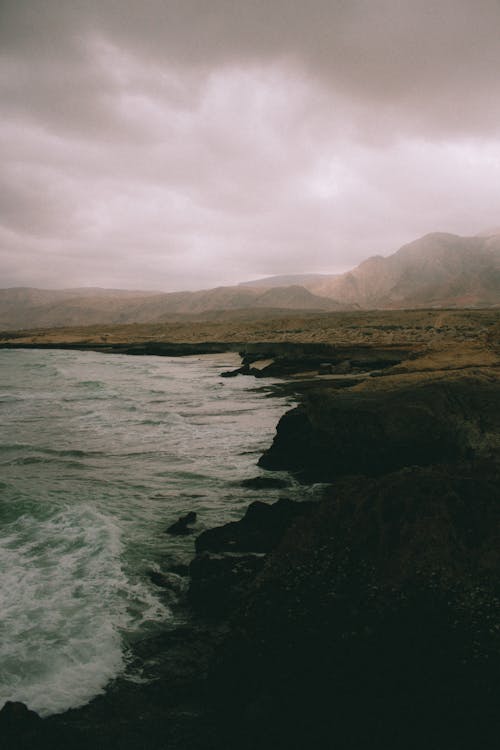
[438,270]
[297,279]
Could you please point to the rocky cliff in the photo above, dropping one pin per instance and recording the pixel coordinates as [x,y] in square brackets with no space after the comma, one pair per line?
[373,622]
[372,431]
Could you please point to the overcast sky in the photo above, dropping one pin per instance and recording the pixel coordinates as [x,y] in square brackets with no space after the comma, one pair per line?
[183,144]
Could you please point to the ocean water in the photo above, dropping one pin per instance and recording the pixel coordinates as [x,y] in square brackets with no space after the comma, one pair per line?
[98,455]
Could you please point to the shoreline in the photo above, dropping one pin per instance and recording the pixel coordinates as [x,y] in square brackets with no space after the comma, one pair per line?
[409,526]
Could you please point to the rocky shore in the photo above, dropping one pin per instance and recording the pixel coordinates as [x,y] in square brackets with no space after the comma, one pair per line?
[369,619]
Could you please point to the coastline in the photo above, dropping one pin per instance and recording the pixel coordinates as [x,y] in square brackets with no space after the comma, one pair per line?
[293,603]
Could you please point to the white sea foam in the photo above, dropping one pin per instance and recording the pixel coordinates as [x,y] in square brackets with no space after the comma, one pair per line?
[65,601]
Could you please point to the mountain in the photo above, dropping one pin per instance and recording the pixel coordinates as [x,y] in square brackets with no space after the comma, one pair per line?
[306,280]
[42,308]
[438,270]
[489,232]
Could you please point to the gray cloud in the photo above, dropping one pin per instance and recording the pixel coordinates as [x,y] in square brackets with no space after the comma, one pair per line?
[185,144]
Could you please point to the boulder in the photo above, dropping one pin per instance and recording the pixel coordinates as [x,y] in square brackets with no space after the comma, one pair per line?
[17,718]
[260,529]
[264,483]
[181,526]
[230,557]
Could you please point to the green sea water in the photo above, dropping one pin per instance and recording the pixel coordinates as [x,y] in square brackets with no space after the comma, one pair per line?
[98,455]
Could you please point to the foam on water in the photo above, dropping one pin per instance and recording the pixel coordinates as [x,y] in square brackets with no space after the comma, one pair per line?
[64,602]
[96,460]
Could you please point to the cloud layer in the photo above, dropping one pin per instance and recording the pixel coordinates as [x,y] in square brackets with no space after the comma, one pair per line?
[186,144]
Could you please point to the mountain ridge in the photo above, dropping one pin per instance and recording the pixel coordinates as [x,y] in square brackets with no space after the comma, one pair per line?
[437,270]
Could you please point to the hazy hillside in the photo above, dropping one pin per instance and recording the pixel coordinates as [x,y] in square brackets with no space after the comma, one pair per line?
[24,307]
[28,308]
[306,280]
[438,270]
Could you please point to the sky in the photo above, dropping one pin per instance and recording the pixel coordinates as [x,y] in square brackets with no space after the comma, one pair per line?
[187,144]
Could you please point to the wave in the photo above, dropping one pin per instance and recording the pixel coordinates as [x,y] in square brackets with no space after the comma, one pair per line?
[64,579]
[90,397]
[72,453]
[35,460]
[94,384]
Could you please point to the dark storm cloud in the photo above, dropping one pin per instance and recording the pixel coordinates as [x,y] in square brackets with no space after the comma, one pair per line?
[179,143]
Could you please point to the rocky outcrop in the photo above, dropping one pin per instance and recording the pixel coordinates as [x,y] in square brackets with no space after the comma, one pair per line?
[18,725]
[260,529]
[375,622]
[283,359]
[183,525]
[218,583]
[230,557]
[264,483]
[377,428]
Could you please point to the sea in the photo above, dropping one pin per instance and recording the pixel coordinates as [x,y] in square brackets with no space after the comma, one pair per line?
[99,454]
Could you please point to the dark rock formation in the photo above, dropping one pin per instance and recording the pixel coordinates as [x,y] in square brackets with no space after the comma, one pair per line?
[22,729]
[230,556]
[375,622]
[233,373]
[181,526]
[260,529]
[282,359]
[169,580]
[264,483]
[18,725]
[219,582]
[374,431]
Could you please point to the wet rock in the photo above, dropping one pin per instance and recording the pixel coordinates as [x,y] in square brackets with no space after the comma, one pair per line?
[219,582]
[260,529]
[168,580]
[16,718]
[264,483]
[181,526]
[223,569]
[180,569]
[234,373]
[23,729]
[342,368]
